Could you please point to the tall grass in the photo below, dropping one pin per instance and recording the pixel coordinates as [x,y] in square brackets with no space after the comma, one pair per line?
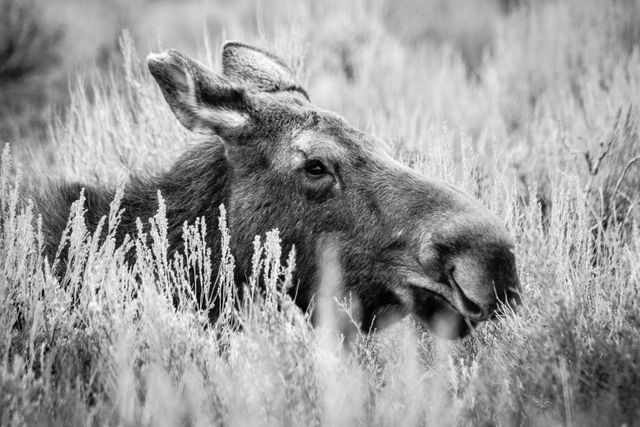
[557,84]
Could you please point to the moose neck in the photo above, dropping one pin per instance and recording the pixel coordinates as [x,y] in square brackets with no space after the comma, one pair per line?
[195,186]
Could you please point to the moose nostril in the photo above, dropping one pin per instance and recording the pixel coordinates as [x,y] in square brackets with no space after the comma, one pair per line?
[514,297]
[471,309]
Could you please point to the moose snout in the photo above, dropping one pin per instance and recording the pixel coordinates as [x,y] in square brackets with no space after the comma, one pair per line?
[471,306]
[482,290]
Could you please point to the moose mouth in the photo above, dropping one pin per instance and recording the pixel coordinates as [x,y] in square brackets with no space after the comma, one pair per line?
[443,307]
[446,311]
[439,315]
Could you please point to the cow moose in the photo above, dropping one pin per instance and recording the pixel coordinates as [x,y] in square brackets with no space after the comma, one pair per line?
[406,244]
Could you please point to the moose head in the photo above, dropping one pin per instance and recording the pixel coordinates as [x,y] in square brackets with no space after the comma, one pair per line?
[405,244]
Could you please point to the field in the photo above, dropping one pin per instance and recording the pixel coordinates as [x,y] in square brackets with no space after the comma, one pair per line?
[532,106]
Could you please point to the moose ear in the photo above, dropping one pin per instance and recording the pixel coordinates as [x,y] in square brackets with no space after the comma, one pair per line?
[258,69]
[201,100]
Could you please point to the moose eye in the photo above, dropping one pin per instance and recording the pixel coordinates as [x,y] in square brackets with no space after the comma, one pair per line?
[315,168]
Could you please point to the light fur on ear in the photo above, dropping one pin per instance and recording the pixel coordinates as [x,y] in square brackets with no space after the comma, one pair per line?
[201,100]
[258,69]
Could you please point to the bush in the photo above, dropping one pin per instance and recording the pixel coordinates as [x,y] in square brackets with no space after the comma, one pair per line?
[28,54]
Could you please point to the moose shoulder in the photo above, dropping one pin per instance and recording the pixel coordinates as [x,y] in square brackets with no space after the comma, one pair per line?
[405,244]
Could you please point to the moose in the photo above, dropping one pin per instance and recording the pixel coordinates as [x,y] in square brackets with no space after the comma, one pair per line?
[405,244]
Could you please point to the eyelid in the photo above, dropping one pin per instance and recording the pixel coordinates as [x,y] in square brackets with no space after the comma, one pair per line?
[310,158]
[329,166]
[315,160]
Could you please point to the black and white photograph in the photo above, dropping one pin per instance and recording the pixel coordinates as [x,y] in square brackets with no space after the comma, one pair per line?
[320,213]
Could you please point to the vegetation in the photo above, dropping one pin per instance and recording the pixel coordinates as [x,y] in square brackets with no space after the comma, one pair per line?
[28,51]
[542,126]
